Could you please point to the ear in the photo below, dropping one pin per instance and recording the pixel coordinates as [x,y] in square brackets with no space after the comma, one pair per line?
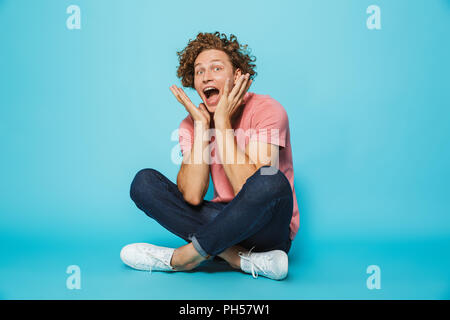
[237,74]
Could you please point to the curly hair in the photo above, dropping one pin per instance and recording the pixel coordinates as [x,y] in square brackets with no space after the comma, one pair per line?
[239,55]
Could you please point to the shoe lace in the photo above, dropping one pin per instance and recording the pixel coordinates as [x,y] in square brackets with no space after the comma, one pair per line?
[262,266]
[147,259]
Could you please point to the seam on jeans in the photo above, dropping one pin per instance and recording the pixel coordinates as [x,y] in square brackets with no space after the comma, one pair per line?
[164,225]
[276,202]
[254,222]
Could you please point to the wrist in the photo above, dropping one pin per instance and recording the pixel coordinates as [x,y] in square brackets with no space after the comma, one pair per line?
[200,124]
[222,123]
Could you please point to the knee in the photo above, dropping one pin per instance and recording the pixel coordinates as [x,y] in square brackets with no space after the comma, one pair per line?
[269,181]
[141,181]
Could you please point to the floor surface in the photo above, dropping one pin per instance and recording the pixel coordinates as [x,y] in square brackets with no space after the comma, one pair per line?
[334,269]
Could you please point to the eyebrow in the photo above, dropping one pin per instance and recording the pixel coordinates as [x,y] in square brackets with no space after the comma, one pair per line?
[215,60]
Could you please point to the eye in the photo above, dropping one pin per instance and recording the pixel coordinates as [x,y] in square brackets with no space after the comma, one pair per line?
[218,68]
[198,72]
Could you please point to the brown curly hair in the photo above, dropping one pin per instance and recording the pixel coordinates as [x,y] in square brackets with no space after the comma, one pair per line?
[239,55]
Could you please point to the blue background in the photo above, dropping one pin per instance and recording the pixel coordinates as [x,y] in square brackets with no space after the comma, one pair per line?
[81,111]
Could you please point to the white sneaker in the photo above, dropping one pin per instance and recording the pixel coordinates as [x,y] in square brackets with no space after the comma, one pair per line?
[271,264]
[147,257]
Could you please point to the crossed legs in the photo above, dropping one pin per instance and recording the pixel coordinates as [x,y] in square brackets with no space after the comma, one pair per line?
[258,217]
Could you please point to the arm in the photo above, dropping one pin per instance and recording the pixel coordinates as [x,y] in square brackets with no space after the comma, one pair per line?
[236,171]
[229,152]
[193,177]
[257,154]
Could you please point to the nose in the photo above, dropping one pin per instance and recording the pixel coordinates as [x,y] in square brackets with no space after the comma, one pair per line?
[207,76]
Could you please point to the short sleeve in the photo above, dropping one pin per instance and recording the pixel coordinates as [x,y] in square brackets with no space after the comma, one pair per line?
[186,135]
[270,123]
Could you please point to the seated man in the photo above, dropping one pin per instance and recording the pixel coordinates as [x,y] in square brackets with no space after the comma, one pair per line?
[253,216]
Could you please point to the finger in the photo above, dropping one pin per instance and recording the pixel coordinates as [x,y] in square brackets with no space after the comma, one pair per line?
[226,90]
[182,97]
[202,107]
[175,93]
[249,83]
[172,88]
[236,87]
[237,101]
[241,99]
[185,98]
[243,87]
[205,112]
[181,93]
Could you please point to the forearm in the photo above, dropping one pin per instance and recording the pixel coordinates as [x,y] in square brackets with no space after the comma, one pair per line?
[193,177]
[236,163]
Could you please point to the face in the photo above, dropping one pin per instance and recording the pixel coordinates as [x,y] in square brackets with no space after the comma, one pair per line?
[211,70]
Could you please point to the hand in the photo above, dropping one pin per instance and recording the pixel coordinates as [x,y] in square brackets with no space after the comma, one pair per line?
[198,114]
[229,102]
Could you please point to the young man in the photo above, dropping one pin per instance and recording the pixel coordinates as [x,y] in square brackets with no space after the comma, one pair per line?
[243,140]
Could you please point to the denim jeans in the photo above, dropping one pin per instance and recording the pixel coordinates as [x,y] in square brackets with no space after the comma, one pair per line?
[258,216]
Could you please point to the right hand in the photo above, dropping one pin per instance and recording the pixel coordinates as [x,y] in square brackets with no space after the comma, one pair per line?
[198,114]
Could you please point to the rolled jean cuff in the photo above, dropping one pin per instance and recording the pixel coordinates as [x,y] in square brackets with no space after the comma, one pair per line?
[199,248]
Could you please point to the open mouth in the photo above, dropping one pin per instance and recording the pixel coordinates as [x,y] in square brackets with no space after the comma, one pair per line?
[212,95]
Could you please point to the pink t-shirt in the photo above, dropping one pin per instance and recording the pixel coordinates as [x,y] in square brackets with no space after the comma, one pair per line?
[263,119]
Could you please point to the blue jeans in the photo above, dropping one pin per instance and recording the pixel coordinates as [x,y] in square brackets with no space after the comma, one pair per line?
[258,216]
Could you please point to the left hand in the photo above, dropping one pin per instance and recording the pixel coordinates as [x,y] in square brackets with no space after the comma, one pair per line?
[229,102]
